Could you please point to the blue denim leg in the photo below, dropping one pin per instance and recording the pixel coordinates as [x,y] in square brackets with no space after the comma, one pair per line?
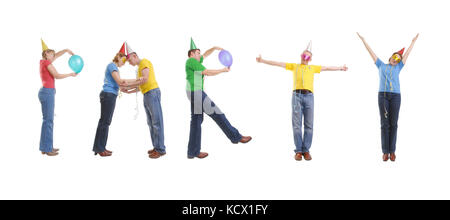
[308,116]
[47,99]
[303,108]
[213,111]
[152,105]
[395,101]
[108,104]
[297,122]
[195,134]
[383,105]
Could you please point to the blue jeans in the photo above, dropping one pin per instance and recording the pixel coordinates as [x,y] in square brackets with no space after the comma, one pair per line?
[152,105]
[108,104]
[302,108]
[201,103]
[389,105]
[47,99]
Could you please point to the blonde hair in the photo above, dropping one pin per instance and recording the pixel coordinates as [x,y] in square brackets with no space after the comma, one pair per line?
[44,53]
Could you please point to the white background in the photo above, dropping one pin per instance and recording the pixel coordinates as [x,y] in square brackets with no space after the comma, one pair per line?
[256,99]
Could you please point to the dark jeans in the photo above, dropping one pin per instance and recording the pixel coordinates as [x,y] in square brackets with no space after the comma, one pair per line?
[389,104]
[201,103]
[108,104]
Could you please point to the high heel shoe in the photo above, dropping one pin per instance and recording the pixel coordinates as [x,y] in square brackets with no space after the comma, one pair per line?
[104,154]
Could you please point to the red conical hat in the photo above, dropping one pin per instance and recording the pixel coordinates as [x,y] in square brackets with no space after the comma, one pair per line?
[401,51]
[122,49]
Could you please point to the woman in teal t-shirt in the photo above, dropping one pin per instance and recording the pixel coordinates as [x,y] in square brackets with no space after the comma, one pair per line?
[389,97]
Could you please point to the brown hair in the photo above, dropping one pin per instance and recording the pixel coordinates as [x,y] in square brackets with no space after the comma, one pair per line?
[118,56]
[44,53]
[192,51]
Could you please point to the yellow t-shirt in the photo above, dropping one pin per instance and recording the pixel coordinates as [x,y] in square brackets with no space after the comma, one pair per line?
[151,82]
[303,75]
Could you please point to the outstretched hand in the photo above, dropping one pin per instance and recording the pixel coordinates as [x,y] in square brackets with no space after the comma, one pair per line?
[344,68]
[258,59]
[73,74]
[70,52]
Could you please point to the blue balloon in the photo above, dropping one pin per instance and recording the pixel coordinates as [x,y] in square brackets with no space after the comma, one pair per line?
[76,63]
[225,58]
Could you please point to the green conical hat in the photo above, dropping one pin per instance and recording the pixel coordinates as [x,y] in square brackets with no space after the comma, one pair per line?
[193,47]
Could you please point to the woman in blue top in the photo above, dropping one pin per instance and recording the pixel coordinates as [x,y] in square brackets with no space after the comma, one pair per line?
[108,98]
[389,97]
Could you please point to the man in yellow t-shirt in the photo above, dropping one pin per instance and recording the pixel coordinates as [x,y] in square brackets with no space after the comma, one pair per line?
[147,84]
[302,99]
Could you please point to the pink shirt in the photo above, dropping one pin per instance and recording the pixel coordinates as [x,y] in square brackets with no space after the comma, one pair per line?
[48,81]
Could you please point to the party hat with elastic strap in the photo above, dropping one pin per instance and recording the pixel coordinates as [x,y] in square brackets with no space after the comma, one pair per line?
[401,51]
[193,47]
[44,46]
[309,48]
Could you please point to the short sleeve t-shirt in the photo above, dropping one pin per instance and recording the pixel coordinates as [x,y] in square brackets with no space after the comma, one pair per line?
[48,81]
[110,85]
[151,81]
[194,76]
[389,76]
[303,75]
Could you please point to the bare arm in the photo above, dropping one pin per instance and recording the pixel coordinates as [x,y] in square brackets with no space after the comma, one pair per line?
[273,63]
[372,54]
[210,51]
[334,68]
[405,57]
[62,52]
[215,72]
[57,75]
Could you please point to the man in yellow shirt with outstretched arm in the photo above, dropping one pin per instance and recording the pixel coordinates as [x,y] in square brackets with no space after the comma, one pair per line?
[302,99]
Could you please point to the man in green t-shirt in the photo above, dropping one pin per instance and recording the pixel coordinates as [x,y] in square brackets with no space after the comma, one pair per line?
[201,103]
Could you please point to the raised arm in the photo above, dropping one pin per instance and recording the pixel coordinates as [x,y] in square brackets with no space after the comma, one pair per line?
[273,63]
[62,52]
[334,68]
[215,72]
[405,57]
[372,54]
[57,75]
[210,51]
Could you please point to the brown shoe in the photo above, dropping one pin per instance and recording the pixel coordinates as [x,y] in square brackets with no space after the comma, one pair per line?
[307,156]
[201,155]
[104,154]
[298,156]
[245,139]
[393,157]
[155,154]
[109,151]
[56,150]
[50,154]
[385,157]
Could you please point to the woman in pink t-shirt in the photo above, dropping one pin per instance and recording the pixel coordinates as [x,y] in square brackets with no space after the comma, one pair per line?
[47,98]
